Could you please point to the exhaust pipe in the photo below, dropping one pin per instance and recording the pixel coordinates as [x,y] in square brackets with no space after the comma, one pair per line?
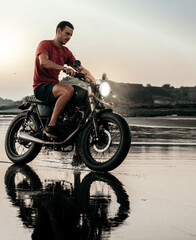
[27,137]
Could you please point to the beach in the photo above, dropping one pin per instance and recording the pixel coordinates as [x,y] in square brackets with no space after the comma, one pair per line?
[150,196]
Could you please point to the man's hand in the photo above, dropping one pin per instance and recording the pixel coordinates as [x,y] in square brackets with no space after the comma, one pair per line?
[88,74]
[69,71]
[83,70]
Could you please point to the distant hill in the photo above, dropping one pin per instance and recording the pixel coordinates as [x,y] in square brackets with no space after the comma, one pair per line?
[8,106]
[137,100]
[5,102]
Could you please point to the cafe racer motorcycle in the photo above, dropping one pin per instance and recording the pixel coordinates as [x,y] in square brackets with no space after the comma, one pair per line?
[102,137]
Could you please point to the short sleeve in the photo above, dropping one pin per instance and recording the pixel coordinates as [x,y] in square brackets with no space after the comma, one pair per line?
[43,47]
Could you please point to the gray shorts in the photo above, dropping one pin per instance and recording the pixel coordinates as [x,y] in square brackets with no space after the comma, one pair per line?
[44,92]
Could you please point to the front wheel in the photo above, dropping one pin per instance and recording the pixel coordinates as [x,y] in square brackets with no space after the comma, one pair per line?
[112,147]
[17,150]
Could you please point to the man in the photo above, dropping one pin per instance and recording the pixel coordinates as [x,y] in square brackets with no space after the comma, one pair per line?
[51,56]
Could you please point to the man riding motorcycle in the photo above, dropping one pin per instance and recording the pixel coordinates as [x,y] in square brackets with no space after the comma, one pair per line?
[85,121]
[51,56]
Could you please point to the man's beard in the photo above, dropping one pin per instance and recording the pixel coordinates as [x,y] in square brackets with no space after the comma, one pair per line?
[63,43]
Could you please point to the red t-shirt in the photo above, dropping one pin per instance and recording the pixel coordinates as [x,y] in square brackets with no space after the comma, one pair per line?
[60,56]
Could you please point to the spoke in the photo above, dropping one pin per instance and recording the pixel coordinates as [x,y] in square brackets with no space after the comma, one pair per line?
[105,151]
[20,147]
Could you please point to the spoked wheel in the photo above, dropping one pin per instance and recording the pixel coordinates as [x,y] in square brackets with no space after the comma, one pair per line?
[17,150]
[112,147]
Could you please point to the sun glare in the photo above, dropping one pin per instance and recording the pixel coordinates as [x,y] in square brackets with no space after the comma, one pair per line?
[9,47]
[6,49]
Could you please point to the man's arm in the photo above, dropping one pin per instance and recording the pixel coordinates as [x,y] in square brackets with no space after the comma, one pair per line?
[88,74]
[45,62]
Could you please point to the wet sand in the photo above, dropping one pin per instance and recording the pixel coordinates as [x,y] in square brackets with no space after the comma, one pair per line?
[152,193]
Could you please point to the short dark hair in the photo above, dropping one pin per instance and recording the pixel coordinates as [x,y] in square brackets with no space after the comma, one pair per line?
[63,24]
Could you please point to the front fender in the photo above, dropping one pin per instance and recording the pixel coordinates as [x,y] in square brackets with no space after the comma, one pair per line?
[97,115]
[104,111]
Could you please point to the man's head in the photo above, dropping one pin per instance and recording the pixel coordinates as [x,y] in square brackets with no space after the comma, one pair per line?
[64,31]
[63,25]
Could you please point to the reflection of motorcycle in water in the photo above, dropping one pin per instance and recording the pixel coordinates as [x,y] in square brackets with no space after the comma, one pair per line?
[57,209]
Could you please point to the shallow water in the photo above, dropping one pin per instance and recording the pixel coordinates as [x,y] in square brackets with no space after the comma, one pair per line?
[151,195]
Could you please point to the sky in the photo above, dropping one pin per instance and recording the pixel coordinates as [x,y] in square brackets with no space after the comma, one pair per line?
[144,41]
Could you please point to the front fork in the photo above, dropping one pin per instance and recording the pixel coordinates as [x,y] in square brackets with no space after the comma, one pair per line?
[94,114]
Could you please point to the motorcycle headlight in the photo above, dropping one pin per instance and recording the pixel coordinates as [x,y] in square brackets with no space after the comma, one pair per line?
[104,89]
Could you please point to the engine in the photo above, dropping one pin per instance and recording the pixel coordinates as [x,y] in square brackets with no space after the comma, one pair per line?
[70,122]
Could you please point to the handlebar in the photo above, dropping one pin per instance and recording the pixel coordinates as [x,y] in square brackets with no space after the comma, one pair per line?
[80,76]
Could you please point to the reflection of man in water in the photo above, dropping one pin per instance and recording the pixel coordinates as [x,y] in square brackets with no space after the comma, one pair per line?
[58,220]
[60,217]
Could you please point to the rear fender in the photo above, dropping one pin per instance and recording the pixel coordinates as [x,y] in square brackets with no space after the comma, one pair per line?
[24,106]
[28,111]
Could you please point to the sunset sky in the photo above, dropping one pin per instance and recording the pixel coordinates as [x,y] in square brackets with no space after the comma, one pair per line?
[135,41]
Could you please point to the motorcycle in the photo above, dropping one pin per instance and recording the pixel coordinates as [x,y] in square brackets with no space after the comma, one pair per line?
[102,138]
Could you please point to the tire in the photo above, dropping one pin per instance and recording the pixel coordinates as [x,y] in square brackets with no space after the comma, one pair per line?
[19,151]
[112,147]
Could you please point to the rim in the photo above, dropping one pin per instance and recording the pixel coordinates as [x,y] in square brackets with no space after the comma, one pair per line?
[20,147]
[109,143]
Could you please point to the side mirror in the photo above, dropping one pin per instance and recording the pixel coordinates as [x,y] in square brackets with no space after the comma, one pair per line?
[104,77]
[77,64]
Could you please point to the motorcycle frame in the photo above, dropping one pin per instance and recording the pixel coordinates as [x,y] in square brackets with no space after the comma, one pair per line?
[92,117]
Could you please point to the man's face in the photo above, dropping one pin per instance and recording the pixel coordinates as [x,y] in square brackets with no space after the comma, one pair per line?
[65,35]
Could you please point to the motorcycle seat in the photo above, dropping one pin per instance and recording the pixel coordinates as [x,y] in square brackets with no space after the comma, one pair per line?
[33,99]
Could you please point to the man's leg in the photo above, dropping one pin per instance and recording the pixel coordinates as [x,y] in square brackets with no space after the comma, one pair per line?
[64,94]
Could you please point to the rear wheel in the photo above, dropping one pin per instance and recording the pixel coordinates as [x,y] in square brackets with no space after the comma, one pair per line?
[17,150]
[112,147]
